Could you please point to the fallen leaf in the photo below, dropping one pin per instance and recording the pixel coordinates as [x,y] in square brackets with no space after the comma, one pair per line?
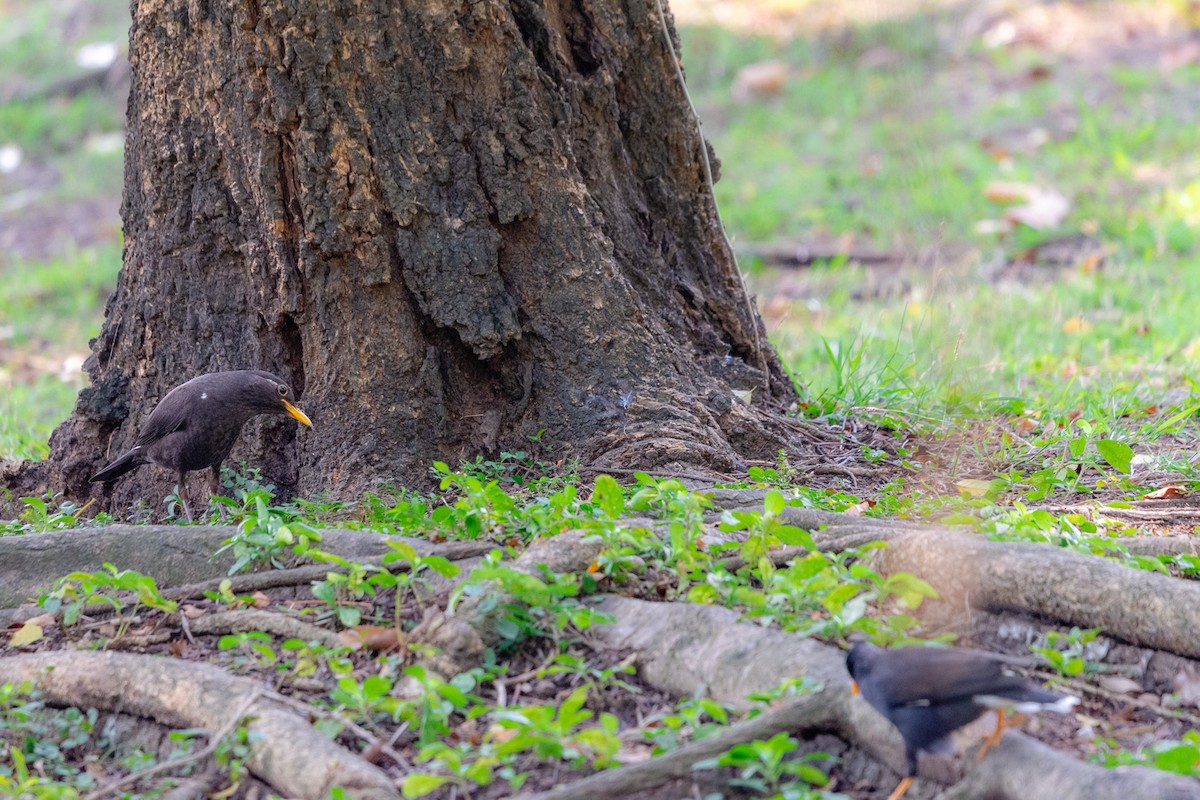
[192,612]
[758,80]
[1043,211]
[1166,493]
[45,620]
[1039,208]
[973,487]
[858,509]
[375,638]
[260,600]
[26,634]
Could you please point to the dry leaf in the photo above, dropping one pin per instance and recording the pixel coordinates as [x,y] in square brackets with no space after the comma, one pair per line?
[260,600]
[1039,208]
[373,637]
[1045,210]
[858,509]
[45,620]
[973,487]
[1026,424]
[192,612]
[26,634]
[759,80]
[1166,493]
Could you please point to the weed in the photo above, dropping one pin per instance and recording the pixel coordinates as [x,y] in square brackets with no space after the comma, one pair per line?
[73,593]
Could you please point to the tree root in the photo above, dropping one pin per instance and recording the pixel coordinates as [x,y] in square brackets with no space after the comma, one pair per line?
[1143,608]
[255,619]
[1020,767]
[174,555]
[292,756]
[685,649]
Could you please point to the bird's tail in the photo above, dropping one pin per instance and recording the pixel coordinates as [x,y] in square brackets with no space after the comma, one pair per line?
[1029,700]
[126,463]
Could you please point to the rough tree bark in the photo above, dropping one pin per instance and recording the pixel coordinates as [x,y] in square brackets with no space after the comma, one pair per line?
[449,225]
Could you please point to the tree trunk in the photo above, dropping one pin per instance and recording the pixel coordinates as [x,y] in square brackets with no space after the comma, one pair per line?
[450,226]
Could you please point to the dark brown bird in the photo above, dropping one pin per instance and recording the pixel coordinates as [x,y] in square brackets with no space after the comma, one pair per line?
[930,692]
[197,423]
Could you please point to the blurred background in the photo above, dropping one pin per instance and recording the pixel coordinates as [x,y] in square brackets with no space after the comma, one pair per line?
[947,210]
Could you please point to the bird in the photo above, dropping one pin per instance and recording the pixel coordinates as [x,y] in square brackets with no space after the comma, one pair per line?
[927,693]
[197,423]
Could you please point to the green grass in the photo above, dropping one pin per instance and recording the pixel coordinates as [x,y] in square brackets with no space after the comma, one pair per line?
[48,313]
[898,157]
[895,155]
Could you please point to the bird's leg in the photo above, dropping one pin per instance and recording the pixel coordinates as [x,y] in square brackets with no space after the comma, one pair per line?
[899,791]
[1002,722]
[214,486]
[183,496]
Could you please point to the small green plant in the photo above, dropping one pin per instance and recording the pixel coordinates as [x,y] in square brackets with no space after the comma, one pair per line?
[265,534]
[462,765]
[234,750]
[763,768]
[765,530]
[532,606]
[40,516]
[693,718]
[16,781]
[1065,651]
[73,593]
[684,509]
[342,591]
[404,570]
[580,673]
[1181,756]
[557,732]
[255,648]
[52,739]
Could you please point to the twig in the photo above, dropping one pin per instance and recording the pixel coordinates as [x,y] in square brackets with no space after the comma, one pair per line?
[213,742]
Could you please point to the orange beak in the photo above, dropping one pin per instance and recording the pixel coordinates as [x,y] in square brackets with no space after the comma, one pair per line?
[296,413]
[853,687]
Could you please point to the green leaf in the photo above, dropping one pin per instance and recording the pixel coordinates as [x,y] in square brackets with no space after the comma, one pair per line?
[1118,454]
[418,784]
[774,502]
[793,536]
[1077,446]
[607,494]
[349,616]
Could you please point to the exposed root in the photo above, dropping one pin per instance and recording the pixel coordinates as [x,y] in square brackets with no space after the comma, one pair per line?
[686,649]
[1020,767]
[292,756]
[254,619]
[174,555]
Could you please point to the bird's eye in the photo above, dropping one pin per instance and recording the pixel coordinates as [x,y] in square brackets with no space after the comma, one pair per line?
[283,391]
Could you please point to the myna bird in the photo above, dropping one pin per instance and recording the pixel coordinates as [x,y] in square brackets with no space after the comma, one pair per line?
[930,692]
[197,423]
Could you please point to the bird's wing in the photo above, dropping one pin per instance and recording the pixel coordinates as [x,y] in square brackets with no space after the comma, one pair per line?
[919,675]
[169,415]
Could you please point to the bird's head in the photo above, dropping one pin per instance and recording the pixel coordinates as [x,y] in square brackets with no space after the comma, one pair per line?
[269,395]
